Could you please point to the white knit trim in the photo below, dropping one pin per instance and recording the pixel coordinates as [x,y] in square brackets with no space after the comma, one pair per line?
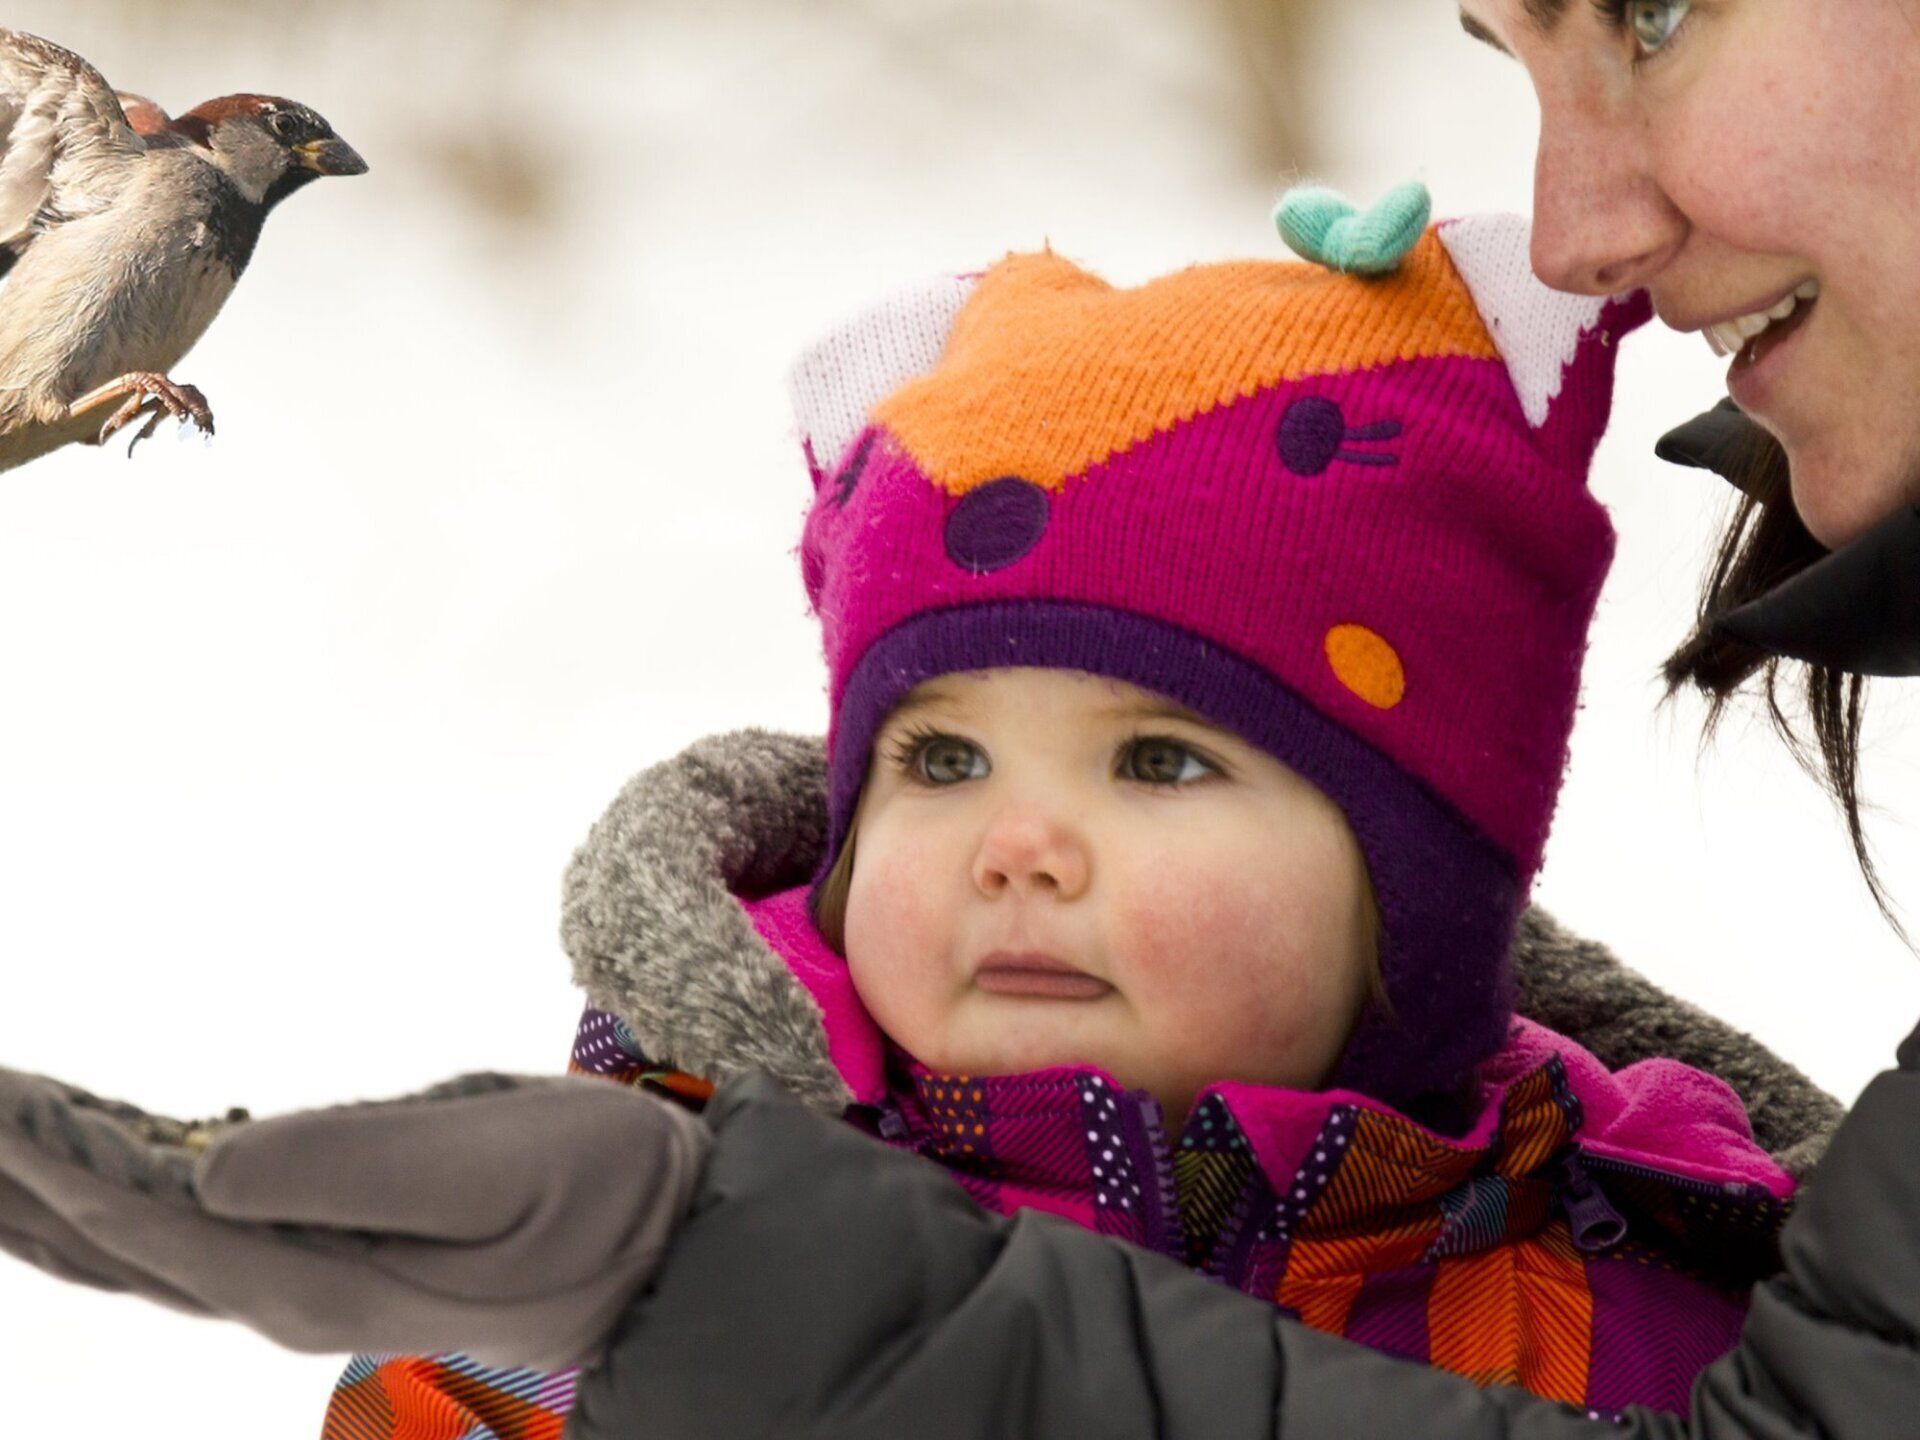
[838,380]
[1537,330]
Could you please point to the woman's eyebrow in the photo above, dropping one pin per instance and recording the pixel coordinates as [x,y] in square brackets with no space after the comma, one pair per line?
[1480,32]
[1546,16]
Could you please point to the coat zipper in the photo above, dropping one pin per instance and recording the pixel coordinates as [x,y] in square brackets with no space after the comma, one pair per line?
[1719,1190]
[1153,1163]
[893,1128]
[1594,1223]
[1228,1262]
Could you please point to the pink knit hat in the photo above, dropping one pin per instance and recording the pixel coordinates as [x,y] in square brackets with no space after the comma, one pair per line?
[1346,519]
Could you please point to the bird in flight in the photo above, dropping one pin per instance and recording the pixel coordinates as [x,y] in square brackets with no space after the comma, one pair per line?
[122,232]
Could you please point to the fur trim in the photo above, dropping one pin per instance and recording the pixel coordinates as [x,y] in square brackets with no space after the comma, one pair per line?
[657,939]
[1579,989]
[653,929]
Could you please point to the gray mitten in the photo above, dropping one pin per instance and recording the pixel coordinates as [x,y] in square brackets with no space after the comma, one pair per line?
[508,1217]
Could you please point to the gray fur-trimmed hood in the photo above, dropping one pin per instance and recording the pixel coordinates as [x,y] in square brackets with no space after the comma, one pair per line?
[653,924]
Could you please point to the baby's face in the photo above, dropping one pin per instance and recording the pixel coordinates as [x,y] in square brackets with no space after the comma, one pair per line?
[1212,906]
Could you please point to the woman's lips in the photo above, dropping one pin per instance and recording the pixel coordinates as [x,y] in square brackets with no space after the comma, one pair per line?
[1036,976]
[1754,373]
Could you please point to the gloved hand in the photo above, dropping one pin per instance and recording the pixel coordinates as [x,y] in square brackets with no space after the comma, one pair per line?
[508,1217]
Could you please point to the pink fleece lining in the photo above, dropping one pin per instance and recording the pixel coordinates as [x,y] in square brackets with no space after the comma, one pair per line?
[1655,1112]
[854,1042]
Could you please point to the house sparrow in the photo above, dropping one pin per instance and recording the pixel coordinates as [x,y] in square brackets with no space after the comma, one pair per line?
[122,232]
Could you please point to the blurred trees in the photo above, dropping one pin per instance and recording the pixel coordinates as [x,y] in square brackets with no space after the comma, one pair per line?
[475,85]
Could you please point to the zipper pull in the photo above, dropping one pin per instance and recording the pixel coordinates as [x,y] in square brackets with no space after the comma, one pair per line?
[893,1125]
[1595,1224]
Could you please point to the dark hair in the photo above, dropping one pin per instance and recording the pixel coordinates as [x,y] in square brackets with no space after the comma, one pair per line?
[829,905]
[1765,542]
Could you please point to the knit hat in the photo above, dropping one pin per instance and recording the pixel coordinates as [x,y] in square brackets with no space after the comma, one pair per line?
[1345,518]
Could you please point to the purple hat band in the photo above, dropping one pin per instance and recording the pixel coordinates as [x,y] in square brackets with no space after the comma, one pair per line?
[1448,897]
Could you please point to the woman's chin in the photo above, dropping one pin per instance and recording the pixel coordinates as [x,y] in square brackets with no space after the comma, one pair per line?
[1839,498]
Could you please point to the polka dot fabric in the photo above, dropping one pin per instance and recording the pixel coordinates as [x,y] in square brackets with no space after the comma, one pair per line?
[1314,507]
[1459,1253]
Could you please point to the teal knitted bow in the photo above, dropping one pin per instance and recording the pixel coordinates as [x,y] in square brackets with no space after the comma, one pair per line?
[1320,225]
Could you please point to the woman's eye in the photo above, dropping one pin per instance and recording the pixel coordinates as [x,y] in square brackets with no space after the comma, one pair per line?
[1159,761]
[943,760]
[1654,21]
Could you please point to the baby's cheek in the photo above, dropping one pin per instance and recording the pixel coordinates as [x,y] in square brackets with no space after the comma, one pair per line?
[1177,922]
[897,940]
[1227,973]
[890,903]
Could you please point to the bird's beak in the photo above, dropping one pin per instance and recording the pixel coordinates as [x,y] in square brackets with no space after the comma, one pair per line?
[332,156]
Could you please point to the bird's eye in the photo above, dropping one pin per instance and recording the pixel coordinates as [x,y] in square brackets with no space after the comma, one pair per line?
[282,123]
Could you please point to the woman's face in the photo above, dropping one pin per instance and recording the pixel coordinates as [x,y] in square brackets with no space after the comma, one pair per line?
[1206,911]
[1727,155]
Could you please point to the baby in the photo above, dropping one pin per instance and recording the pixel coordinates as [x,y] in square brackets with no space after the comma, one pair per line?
[1203,657]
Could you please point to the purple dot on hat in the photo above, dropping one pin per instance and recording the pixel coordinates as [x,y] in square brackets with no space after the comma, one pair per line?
[1310,434]
[996,524]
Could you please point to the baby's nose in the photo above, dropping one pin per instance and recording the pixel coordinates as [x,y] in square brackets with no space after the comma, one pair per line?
[1031,852]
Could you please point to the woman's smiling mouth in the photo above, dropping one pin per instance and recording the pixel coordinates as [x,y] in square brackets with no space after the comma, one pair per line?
[1756,369]
[1731,337]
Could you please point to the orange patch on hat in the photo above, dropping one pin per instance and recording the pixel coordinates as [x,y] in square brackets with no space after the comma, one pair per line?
[1367,665]
[1050,370]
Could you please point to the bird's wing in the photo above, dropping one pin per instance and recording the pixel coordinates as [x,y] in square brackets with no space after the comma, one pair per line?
[148,120]
[65,145]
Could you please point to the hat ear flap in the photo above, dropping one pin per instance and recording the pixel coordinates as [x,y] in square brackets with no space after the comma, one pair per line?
[1559,349]
[839,378]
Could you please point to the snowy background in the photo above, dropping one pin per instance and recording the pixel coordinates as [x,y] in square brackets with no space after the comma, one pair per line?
[298,730]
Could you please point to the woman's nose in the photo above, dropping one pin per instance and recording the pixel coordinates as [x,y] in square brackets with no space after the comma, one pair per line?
[1030,851]
[1602,224]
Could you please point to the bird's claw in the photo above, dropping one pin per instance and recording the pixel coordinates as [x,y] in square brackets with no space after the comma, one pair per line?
[132,410]
[156,397]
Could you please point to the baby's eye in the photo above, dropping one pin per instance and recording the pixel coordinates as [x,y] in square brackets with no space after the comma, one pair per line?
[938,759]
[1161,760]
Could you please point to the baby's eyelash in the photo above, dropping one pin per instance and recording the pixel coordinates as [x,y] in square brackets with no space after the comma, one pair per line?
[905,748]
[1213,766]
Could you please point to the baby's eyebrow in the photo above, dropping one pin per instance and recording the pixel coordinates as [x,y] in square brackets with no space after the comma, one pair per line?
[1153,710]
[925,701]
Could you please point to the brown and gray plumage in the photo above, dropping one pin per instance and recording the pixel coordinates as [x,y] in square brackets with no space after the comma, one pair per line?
[122,232]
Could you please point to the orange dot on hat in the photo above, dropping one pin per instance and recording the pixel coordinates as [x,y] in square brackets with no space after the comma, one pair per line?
[1367,665]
